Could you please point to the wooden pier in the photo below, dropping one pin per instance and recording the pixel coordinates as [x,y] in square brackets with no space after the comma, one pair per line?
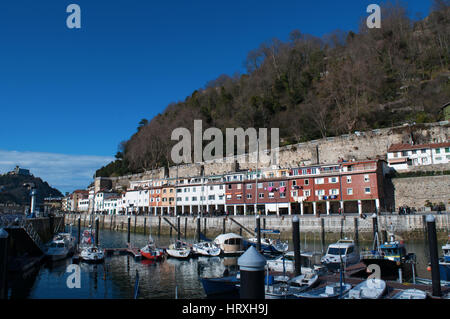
[133,251]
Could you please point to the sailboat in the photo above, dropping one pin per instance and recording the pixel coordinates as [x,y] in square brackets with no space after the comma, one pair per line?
[150,251]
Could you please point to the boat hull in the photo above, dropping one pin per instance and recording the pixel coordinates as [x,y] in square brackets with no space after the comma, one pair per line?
[390,269]
[220,286]
[444,270]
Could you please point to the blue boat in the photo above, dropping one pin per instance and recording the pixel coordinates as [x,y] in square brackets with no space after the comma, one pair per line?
[444,262]
[330,291]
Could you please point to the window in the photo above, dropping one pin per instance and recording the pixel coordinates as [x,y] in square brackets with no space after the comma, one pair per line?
[438,151]
[249,196]
[438,158]
[179,199]
[238,196]
[304,171]
[260,185]
[186,199]
[220,197]
[404,153]
[228,196]
[229,186]
[271,195]
[306,181]
[202,197]
[294,194]
[282,184]
[349,191]
[239,186]
[270,184]
[367,190]
[313,170]
[319,180]
[447,150]
[396,154]
[366,178]
[295,172]
[294,183]
[349,179]
[423,151]
[414,152]
[261,195]
[193,189]
[320,192]
[211,197]
[194,198]
[332,180]
[249,186]
[334,191]
[282,195]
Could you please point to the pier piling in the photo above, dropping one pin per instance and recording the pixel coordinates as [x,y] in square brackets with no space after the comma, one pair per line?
[159,226]
[145,225]
[178,227]
[251,267]
[97,229]
[198,229]
[4,236]
[322,226]
[223,225]
[185,227]
[79,230]
[434,257]
[128,230]
[296,241]
[258,233]
[355,221]
[375,231]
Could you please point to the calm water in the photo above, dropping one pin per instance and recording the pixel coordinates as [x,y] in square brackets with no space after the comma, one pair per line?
[116,277]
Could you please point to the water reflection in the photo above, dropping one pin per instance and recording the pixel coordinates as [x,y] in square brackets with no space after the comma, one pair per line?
[115,278]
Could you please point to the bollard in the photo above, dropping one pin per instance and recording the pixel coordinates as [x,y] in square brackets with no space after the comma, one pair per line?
[145,225]
[258,233]
[128,230]
[198,229]
[79,230]
[97,228]
[251,267]
[296,241]
[179,228]
[434,257]
[4,236]
[322,225]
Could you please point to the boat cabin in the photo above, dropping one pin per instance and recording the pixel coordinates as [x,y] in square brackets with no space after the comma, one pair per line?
[230,243]
[393,250]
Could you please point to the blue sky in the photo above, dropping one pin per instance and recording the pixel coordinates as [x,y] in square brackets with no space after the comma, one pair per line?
[81,92]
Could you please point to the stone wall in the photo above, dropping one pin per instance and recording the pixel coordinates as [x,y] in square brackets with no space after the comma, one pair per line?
[359,146]
[415,191]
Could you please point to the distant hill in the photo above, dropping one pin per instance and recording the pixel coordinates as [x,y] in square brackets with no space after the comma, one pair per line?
[12,190]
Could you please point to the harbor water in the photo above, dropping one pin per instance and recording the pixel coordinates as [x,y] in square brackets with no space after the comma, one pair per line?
[165,279]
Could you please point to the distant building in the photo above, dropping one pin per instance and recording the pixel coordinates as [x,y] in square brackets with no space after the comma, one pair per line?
[405,156]
[20,171]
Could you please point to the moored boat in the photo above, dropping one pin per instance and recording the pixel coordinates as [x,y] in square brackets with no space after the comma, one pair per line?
[444,262]
[92,254]
[62,245]
[286,263]
[150,251]
[343,252]
[330,291]
[206,248]
[410,294]
[179,249]
[288,289]
[230,243]
[368,289]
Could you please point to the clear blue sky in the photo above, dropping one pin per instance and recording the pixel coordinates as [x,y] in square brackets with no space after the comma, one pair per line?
[81,92]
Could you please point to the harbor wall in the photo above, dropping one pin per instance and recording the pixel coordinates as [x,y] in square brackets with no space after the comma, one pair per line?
[404,226]
[43,226]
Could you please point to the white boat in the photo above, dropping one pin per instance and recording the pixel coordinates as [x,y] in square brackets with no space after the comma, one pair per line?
[206,248]
[179,250]
[92,254]
[288,289]
[343,251]
[286,263]
[62,245]
[270,245]
[410,294]
[369,289]
[330,291]
[280,246]
[230,243]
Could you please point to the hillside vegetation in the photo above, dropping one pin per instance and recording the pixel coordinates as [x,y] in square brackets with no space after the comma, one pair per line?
[313,87]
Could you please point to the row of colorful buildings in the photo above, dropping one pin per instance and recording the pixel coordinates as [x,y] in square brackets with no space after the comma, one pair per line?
[344,187]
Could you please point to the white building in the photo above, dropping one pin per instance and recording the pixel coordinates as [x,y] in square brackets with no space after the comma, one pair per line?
[100,198]
[83,204]
[405,156]
[136,201]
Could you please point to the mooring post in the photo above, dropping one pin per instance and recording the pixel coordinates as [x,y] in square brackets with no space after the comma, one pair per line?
[79,230]
[264,227]
[342,228]
[204,226]
[128,230]
[159,225]
[135,222]
[198,229]
[296,240]
[178,227]
[251,267]
[4,236]
[223,225]
[322,226]
[185,227]
[355,221]
[111,222]
[375,231]
[434,257]
[258,233]
[145,225]
[97,229]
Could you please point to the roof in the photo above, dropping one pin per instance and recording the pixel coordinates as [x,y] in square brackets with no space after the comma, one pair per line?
[404,146]
[224,237]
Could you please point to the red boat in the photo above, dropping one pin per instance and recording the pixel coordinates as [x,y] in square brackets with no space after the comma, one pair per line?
[151,252]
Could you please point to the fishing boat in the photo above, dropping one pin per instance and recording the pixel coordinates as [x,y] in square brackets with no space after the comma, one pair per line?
[92,254]
[286,263]
[368,289]
[206,248]
[344,251]
[61,246]
[288,289]
[274,246]
[410,294]
[392,259]
[330,291]
[150,251]
[444,262]
[230,243]
[179,249]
